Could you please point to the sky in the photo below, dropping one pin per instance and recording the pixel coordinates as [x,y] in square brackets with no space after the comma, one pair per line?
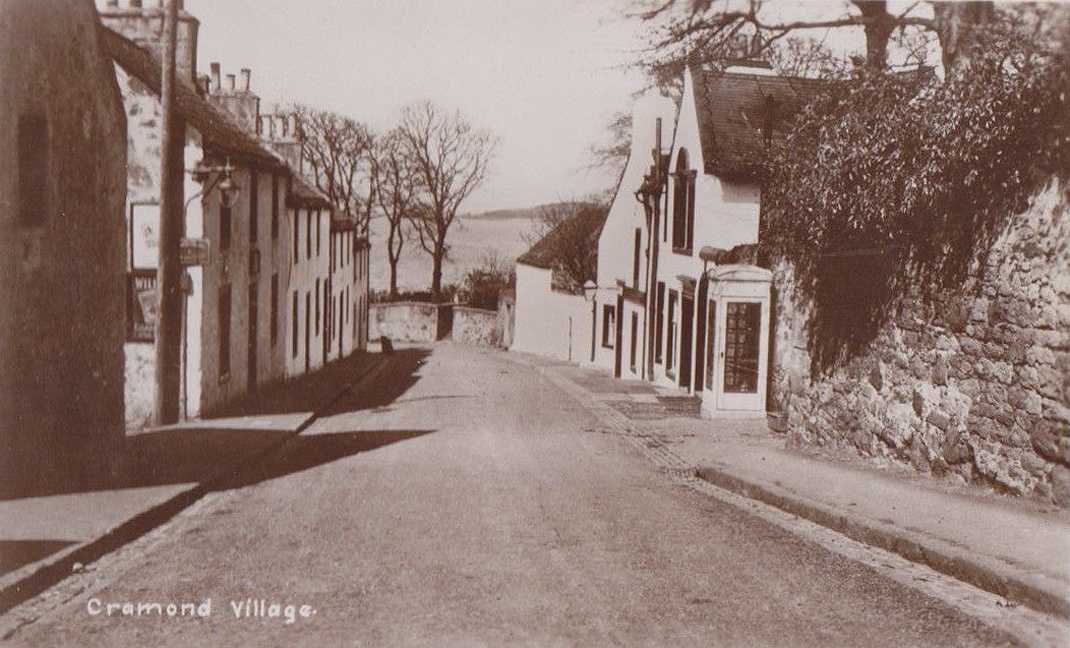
[544,75]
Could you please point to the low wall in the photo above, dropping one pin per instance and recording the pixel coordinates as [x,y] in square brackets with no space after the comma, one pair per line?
[974,387]
[476,326]
[409,321]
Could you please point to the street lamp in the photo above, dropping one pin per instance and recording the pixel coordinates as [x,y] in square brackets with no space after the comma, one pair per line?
[224,181]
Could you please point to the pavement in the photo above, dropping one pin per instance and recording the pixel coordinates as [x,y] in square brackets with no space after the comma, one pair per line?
[58,528]
[464,499]
[1018,549]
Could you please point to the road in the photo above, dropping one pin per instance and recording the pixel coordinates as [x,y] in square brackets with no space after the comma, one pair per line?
[464,500]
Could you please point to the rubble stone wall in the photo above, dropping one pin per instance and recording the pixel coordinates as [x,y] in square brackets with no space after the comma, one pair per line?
[476,326]
[974,387]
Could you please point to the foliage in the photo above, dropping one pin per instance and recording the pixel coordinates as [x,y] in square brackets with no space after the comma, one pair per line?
[447,294]
[483,284]
[902,182]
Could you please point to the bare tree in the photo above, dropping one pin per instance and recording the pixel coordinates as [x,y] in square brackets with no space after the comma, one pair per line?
[451,157]
[686,32]
[612,152]
[336,149]
[396,186]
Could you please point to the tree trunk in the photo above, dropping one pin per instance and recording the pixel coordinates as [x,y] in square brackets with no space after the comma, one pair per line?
[436,273]
[393,279]
[878,30]
[955,25]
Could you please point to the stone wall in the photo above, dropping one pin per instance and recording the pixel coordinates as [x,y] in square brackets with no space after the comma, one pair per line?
[973,388]
[476,326]
[407,321]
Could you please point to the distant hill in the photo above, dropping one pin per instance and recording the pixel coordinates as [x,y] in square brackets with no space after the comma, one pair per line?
[523,213]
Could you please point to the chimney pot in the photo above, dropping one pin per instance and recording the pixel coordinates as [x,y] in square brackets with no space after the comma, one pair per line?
[293,125]
[135,4]
[205,82]
[216,85]
[113,3]
[230,83]
[285,125]
[246,75]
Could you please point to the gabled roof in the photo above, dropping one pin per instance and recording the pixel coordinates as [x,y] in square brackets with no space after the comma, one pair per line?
[738,114]
[219,131]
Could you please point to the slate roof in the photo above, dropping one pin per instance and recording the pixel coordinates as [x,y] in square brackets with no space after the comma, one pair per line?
[589,219]
[735,112]
[303,194]
[219,131]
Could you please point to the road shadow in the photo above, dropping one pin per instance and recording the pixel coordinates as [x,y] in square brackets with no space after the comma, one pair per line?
[200,450]
[17,553]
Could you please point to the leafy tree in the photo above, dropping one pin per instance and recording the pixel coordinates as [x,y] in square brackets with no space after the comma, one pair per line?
[451,158]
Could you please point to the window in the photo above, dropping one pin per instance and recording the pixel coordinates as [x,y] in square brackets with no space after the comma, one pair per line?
[319,220]
[326,304]
[659,323]
[635,258]
[711,338]
[317,306]
[683,208]
[274,308]
[274,206]
[254,208]
[224,331]
[308,234]
[224,228]
[670,344]
[635,335]
[33,170]
[296,331]
[741,337]
[608,317]
[297,234]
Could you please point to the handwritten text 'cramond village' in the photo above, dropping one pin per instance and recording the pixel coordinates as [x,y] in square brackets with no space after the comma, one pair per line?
[249,608]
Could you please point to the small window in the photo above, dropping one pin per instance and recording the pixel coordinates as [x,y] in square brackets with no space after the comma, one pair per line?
[308,234]
[224,331]
[319,220]
[635,258]
[297,235]
[33,170]
[274,207]
[317,306]
[254,208]
[296,330]
[224,227]
[608,329]
[274,308]
[659,323]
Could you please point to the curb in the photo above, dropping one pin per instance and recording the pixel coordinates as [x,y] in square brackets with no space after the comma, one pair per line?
[1034,590]
[1037,591]
[51,572]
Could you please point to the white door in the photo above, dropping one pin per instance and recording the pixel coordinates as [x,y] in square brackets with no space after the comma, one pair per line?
[742,332]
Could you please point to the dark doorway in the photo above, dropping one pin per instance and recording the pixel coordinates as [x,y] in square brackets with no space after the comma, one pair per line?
[308,332]
[251,344]
[687,316]
[700,336]
[618,347]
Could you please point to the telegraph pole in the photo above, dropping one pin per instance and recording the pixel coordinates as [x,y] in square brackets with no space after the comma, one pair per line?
[169,268]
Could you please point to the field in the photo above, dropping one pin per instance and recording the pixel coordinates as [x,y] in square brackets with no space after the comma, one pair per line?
[470,240]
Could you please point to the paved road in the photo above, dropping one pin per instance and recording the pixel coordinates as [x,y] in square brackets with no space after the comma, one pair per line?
[464,500]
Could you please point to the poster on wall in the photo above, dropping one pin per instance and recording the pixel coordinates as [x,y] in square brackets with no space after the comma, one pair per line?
[144,235]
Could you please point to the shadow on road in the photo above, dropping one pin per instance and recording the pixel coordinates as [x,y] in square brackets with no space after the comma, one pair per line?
[199,450]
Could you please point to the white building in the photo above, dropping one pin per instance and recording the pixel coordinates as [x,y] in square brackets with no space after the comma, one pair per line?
[677,299]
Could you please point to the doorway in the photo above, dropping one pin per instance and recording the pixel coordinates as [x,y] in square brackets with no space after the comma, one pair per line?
[687,319]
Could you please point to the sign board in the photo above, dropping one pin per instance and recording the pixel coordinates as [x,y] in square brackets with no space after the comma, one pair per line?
[141,306]
[144,235]
[195,252]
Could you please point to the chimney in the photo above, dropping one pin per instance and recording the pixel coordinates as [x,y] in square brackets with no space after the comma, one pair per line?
[144,26]
[230,84]
[246,77]
[205,84]
[216,85]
